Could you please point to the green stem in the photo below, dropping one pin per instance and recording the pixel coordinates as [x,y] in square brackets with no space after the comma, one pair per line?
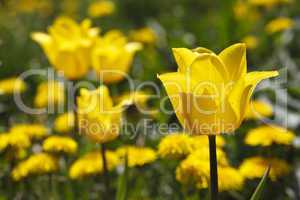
[213,168]
[105,170]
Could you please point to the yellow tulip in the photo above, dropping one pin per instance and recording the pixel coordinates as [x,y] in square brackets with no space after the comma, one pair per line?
[68,46]
[209,92]
[98,118]
[64,123]
[49,94]
[112,56]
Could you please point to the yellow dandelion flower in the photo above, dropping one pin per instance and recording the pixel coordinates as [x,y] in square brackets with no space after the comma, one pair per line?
[91,164]
[175,146]
[49,94]
[137,156]
[267,135]
[230,179]
[15,144]
[101,8]
[203,154]
[18,140]
[250,41]
[255,167]
[65,122]
[195,170]
[202,141]
[258,109]
[144,35]
[60,144]
[279,24]
[12,85]
[34,131]
[40,163]
[4,138]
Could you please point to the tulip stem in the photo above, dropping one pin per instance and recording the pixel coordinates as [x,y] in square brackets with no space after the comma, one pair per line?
[105,170]
[213,168]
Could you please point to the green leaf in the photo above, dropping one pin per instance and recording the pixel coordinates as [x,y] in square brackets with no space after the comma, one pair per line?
[261,186]
[122,182]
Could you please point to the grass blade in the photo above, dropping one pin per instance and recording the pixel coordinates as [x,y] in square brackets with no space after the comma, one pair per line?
[261,186]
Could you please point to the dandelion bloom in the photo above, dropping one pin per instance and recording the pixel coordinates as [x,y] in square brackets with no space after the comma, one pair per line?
[209,92]
[254,167]
[137,156]
[40,163]
[201,141]
[68,46]
[112,56]
[101,8]
[144,35]
[279,24]
[258,109]
[65,122]
[175,145]
[250,41]
[14,140]
[57,144]
[49,94]
[14,144]
[34,131]
[195,170]
[3,141]
[92,164]
[11,85]
[268,135]
[98,118]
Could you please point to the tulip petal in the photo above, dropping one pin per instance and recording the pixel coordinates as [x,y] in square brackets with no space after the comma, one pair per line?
[241,93]
[202,50]
[104,99]
[46,43]
[208,68]
[175,84]
[184,58]
[203,113]
[234,58]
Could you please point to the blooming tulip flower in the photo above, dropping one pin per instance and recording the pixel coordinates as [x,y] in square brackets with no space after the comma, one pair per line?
[68,46]
[98,119]
[112,56]
[210,92]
